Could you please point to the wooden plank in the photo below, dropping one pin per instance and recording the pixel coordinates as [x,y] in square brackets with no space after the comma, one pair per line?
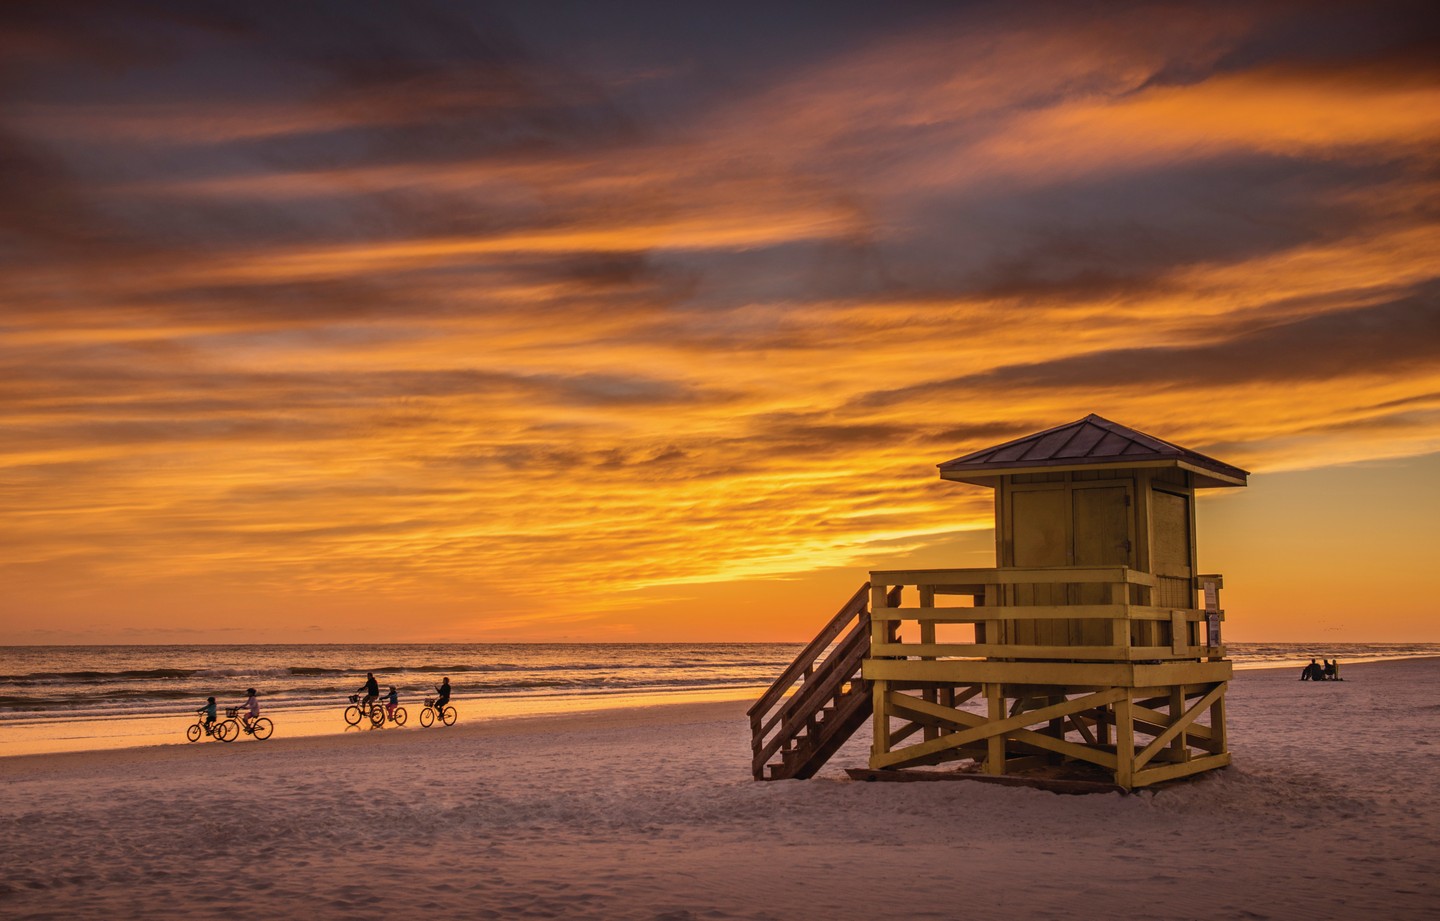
[1049,784]
[966,614]
[1011,575]
[1159,773]
[1124,742]
[1179,745]
[880,719]
[994,745]
[1218,741]
[1153,612]
[977,650]
[1173,673]
[1145,532]
[1087,674]
[1106,674]
[963,614]
[935,577]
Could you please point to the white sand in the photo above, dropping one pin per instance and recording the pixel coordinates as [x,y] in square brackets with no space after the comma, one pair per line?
[1332,810]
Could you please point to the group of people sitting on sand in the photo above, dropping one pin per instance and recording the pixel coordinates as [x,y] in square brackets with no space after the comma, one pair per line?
[1330,671]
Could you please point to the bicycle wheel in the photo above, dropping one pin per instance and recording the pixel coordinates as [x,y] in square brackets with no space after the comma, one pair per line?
[377,717]
[262,728]
[400,716]
[352,715]
[228,731]
[449,716]
[427,716]
[193,733]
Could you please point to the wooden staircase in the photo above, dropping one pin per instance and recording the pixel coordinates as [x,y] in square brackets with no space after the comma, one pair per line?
[829,704]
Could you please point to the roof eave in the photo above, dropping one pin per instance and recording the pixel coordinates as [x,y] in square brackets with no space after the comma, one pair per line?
[1205,476]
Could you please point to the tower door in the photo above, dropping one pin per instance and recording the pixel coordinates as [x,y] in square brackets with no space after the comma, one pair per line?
[1171,555]
[1104,532]
[1104,536]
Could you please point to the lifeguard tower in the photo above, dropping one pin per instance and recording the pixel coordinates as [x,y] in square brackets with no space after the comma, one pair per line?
[1089,658]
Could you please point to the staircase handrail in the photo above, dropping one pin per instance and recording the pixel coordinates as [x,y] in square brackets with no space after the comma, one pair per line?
[856,606]
[840,667]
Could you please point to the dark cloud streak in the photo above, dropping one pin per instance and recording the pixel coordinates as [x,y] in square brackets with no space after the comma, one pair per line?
[1392,338]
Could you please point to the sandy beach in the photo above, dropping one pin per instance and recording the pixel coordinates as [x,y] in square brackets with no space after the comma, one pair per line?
[1330,811]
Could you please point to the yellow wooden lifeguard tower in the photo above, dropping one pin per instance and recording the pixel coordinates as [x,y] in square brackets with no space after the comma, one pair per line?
[1092,647]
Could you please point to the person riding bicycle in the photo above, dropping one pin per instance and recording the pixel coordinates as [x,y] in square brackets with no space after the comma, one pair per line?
[371,689]
[392,700]
[252,708]
[444,691]
[209,711]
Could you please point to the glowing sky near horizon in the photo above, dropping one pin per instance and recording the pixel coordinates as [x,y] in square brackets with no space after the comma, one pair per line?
[447,321]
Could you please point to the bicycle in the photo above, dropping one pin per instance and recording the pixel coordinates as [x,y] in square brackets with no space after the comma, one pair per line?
[429,714]
[260,727]
[398,717]
[217,730]
[371,711]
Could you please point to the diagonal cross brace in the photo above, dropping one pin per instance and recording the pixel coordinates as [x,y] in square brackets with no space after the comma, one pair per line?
[1186,718]
[973,728]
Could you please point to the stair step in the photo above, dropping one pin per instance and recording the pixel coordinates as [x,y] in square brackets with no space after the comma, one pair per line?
[830,705]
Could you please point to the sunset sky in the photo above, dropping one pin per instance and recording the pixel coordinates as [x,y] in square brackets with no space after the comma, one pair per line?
[650,321]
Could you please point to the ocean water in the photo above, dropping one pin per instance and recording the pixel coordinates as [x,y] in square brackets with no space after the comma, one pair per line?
[80,682]
[72,683]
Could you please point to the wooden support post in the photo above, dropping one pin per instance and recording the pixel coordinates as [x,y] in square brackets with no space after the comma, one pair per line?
[1179,748]
[881,720]
[1125,742]
[1120,626]
[927,637]
[1218,743]
[989,631]
[879,630]
[880,633]
[1056,727]
[995,753]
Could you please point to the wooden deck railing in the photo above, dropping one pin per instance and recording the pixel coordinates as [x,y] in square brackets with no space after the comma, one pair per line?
[1051,613]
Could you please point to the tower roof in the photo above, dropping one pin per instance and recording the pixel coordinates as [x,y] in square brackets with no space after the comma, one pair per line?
[1089,442]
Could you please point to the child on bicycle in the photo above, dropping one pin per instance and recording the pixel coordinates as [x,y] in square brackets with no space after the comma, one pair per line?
[209,711]
[252,708]
[392,700]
